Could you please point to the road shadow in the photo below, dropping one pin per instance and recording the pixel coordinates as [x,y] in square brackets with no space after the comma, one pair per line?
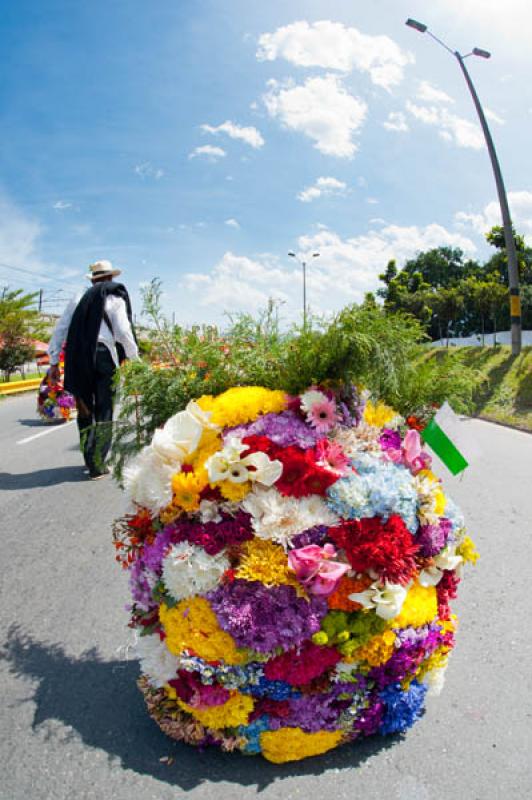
[41,478]
[100,701]
[40,423]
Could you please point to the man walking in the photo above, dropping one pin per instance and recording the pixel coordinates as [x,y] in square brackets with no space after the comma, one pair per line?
[99,333]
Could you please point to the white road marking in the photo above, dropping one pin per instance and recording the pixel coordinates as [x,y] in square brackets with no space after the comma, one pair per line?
[43,433]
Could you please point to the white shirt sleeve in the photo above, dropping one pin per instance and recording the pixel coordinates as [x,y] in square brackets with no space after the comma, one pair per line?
[116,309]
[61,330]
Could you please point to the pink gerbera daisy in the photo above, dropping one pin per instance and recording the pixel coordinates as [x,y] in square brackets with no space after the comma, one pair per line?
[322,416]
[331,455]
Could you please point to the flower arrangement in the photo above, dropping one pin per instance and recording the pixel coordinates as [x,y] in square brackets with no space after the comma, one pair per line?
[53,402]
[291,562]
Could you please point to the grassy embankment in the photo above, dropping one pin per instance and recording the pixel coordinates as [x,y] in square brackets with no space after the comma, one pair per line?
[504,390]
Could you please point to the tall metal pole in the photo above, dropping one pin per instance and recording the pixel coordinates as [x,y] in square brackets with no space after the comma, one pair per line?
[513,269]
[304,267]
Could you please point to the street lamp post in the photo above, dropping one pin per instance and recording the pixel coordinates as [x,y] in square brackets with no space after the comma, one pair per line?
[513,270]
[304,271]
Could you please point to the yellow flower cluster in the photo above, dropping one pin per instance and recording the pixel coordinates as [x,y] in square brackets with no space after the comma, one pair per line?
[419,608]
[378,650]
[242,404]
[378,414]
[234,712]
[266,562]
[192,625]
[467,550]
[291,744]
[234,492]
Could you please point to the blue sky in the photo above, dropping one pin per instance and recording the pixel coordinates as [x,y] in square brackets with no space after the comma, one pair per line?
[201,141]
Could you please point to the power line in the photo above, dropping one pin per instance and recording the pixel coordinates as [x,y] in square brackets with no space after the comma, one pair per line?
[37,275]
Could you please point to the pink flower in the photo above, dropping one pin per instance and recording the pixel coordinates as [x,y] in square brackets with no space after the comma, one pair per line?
[413,455]
[331,456]
[322,415]
[315,570]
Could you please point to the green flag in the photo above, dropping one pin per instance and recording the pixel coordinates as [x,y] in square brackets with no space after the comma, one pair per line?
[441,434]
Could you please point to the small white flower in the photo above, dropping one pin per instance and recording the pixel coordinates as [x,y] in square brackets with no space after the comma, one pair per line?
[148,480]
[228,465]
[189,570]
[387,599]
[435,680]
[209,511]
[430,576]
[448,559]
[156,661]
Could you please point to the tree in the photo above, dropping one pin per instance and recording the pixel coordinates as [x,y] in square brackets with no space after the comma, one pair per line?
[20,322]
[448,305]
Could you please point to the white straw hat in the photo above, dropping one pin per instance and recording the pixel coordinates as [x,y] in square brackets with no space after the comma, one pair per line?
[102,269]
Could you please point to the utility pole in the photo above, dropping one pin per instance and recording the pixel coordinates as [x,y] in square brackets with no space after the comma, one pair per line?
[40,300]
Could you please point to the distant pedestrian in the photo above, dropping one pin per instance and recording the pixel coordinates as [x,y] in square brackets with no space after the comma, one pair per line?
[97,326]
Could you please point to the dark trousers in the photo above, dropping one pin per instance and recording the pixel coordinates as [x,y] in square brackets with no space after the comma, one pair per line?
[95,413]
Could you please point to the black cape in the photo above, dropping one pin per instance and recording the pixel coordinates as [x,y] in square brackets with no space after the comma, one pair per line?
[82,337]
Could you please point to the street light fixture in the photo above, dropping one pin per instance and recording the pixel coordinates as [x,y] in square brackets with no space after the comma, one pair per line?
[513,271]
[304,270]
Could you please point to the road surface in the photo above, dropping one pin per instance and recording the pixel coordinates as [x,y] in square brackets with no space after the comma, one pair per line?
[73,724]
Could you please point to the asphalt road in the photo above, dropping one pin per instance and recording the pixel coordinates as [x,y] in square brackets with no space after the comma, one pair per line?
[73,723]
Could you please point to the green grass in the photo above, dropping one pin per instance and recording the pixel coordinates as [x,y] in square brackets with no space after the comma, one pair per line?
[504,388]
[16,376]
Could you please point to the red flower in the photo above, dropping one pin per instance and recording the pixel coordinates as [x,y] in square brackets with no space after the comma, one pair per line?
[298,667]
[387,548]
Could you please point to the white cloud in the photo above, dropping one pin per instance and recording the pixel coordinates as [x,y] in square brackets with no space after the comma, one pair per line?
[494,117]
[520,209]
[321,109]
[249,135]
[322,188]
[62,205]
[209,152]
[232,223]
[344,272]
[238,283]
[20,240]
[452,128]
[372,201]
[331,45]
[430,94]
[147,170]
[396,122]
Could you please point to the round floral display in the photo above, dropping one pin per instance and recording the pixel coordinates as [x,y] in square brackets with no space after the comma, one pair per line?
[53,402]
[291,564]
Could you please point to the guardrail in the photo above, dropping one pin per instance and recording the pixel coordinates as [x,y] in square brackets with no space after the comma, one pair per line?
[13,387]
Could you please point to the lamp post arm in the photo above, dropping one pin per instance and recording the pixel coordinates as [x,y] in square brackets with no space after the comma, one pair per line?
[513,270]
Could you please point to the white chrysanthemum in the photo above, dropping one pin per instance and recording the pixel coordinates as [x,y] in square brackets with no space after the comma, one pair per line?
[188,570]
[354,441]
[156,661]
[148,480]
[281,518]
[435,680]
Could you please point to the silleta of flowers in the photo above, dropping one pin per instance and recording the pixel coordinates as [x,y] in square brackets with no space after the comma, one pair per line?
[291,564]
[53,402]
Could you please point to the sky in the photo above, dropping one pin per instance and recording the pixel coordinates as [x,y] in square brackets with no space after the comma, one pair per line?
[199,141]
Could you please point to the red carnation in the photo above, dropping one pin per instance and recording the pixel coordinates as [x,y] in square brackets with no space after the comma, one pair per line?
[387,548]
[300,667]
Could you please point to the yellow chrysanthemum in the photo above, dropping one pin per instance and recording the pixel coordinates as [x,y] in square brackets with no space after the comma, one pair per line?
[234,712]
[186,488]
[291,744]
[266,562]
[378,650]
[234,491]
[170,513]
[210,443]
[242,404]
[467,550]
[420,607]
[192,625]
[440,501]
[378,414]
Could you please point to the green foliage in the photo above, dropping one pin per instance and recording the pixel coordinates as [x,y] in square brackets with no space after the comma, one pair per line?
[361,344]
[19,323]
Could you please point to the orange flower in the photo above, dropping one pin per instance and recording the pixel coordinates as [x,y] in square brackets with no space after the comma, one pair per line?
[339,599]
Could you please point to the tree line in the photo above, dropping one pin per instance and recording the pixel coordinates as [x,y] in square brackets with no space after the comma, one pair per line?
[454,296]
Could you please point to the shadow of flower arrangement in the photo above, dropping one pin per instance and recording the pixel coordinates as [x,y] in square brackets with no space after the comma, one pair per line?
[100,701]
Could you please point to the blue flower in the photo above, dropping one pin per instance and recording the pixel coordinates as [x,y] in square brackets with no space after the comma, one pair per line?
[403,708]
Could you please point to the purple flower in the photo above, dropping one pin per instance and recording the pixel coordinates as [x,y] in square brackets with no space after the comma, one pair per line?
[315,712]
[284,429]
[312,536]
[390,439]
[370,718]
[264,618]
[433,538]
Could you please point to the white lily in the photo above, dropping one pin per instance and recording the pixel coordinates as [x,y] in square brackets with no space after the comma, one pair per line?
[184,430]
[448,559]
[227,464]
[430,576]
[266,471]
[386,599]
[201,416]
